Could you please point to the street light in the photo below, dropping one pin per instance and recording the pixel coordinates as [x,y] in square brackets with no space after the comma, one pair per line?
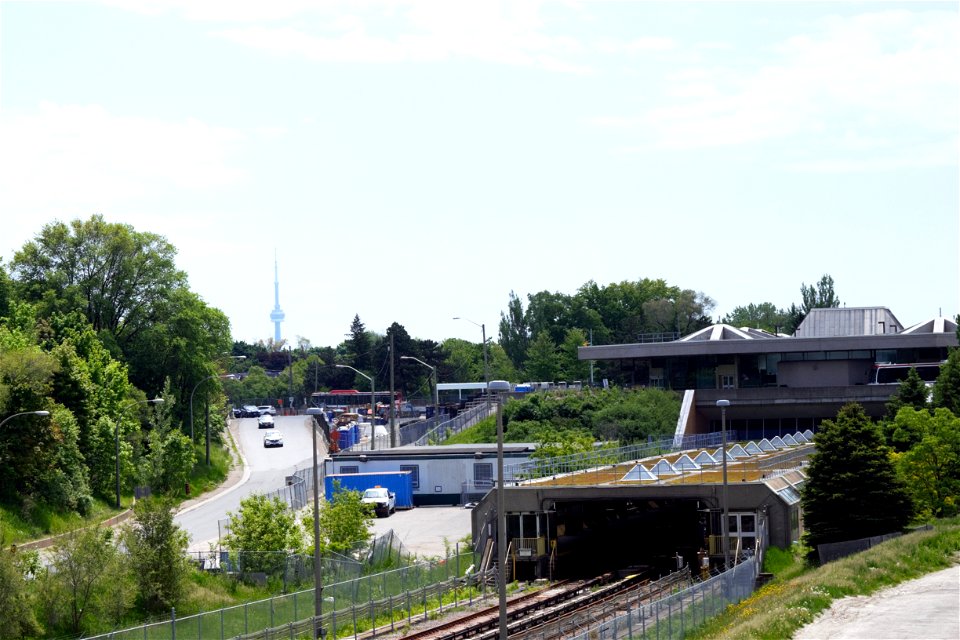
[436,393]
[313,412]
[373,404]
[116,443]
[498,387]
[24,413]
[483,331]
[723,404]
[191,402]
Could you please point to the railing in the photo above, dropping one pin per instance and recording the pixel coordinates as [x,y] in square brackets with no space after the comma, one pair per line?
[349,607]
[605,456]
[451,427]
[678,614]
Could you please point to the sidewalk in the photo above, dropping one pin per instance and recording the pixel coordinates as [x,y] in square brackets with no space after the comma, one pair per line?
[237,474]
[927,608]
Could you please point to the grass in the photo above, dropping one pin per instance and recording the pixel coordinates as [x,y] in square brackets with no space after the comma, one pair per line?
[799,592]
[35,521]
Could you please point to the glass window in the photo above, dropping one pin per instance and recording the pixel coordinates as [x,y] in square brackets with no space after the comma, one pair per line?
[349,469]
[414,470]
[748,523]
[483,474]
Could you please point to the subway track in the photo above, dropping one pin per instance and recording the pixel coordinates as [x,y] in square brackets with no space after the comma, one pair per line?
[551,612]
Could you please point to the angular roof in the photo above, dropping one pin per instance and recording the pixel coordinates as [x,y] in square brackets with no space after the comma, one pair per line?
[639,472]
[934,325]
[718,332]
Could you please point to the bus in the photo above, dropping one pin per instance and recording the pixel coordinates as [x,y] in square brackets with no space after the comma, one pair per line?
[889,373]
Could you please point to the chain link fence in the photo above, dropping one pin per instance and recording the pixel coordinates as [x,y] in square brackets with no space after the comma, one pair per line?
[673,616]
[357,602]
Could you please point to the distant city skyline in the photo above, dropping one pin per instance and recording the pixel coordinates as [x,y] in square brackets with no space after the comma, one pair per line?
[413,161]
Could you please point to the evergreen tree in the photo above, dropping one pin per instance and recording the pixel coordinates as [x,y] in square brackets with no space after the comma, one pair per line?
[542,361]
[912,392]
[946,393]
[157,547]
[852,489]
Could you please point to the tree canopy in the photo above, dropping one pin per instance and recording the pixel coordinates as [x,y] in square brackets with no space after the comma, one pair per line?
[852,489]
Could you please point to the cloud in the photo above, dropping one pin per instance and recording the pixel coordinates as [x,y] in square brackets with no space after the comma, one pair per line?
[867,77]
[83,158]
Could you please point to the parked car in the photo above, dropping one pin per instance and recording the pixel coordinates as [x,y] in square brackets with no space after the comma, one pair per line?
[384,501]
[249,411]
[265,421]
[266,408]
[272,438]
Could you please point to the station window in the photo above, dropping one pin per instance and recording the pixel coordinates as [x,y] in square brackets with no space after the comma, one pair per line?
[483,474]
[414,470]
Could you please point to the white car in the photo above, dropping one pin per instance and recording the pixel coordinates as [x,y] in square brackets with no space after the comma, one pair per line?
[265,421]
[384,501]
[272,438]
[266,408]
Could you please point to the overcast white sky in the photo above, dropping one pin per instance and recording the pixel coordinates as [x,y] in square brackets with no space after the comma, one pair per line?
[414,161]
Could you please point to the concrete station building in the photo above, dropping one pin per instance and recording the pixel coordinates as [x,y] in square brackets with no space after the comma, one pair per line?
[779,387]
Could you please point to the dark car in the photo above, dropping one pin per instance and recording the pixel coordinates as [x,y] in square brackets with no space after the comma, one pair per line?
[249,411]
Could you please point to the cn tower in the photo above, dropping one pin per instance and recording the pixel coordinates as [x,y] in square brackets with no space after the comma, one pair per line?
[277,315]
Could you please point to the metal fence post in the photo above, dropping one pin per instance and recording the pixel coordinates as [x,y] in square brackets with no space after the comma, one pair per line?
[173,623]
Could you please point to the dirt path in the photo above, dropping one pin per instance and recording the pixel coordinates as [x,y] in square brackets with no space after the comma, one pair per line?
[927,608]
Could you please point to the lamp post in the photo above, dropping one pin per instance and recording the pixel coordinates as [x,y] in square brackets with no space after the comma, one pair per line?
[483,333]
[373,404]
[24,413]
[116,443]
[723,404]
[436,393]
[498,387]
[191,403]
[313,412]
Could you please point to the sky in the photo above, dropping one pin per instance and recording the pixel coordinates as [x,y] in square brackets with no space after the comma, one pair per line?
[413,162]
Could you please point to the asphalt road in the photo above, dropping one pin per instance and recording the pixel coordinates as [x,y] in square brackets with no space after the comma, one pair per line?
[267,470]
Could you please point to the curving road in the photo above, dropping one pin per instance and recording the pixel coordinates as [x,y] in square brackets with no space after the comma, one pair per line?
[266,470]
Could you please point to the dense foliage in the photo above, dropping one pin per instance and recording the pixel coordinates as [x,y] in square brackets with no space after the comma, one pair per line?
[852,489]
[566,422]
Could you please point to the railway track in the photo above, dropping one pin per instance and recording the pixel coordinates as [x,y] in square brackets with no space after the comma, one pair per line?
[546,613]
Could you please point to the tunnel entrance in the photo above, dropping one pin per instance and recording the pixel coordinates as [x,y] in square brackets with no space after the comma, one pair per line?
[648,535]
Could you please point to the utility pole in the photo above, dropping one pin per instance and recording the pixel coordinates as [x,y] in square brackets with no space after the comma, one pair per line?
[393,408]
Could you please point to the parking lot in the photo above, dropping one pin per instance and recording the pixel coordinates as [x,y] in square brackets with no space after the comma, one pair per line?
[422,530]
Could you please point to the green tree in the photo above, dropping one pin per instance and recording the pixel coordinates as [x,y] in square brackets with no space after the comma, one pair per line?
[157,550]
[571,366]
[542,361]
[852,489]
[462,362]
[16,607]
[344,523]
[262,533]
[86,580]
[359,345]
[820,297]
[946,392]
[931,467]
[115,274]
[514,331]
[759,316]
[912,392]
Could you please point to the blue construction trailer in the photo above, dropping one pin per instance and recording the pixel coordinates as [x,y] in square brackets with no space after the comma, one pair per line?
[399,482]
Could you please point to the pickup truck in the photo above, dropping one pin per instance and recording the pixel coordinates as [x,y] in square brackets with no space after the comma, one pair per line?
[384,502]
